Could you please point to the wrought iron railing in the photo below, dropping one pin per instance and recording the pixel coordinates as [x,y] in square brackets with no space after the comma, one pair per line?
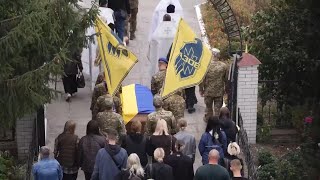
[245,147]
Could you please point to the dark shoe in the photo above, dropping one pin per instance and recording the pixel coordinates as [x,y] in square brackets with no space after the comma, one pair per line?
[132,36]
[191,110]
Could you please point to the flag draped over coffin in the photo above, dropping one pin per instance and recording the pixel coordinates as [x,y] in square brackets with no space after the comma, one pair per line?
[117,59]
[189,61]
[136,99]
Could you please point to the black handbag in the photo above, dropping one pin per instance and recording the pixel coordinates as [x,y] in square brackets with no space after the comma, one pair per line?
[81,83]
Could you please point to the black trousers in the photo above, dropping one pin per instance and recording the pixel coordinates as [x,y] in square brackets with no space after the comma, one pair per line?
[70,83]
[87,175]
[191,98]
[70,176]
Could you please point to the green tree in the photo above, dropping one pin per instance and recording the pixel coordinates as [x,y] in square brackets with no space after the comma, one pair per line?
[286,37]
[37,37]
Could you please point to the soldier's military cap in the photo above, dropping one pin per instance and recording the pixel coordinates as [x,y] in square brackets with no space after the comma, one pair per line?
[108,102]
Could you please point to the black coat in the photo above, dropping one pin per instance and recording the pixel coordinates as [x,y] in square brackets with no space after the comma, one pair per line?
[158,171]
[125,174]
[71,67]
[136,143]
[230,128]
[182,166]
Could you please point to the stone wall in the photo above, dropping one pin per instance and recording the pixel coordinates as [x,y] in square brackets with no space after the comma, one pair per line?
[24,128]
[247,99]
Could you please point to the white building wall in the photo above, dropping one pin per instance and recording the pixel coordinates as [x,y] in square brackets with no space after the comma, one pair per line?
[247,99]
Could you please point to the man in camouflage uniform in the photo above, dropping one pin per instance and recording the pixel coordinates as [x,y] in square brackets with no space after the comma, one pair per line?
[212,87]
[160,113]
[109,119]
[132,20]
[176,104]
[98,106]
[100,78]
[100,90]
[158,79]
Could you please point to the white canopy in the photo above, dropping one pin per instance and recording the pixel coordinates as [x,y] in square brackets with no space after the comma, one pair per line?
[161,10]
[160,43]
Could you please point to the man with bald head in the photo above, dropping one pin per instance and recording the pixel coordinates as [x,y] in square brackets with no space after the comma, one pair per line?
[212,170]
[47,168]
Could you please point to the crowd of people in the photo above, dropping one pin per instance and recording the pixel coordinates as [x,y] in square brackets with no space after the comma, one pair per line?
[162,147]
[106,152]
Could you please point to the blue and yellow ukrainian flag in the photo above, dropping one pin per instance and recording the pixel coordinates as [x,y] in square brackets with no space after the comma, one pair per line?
[117,60]
[136,99]
[188,63]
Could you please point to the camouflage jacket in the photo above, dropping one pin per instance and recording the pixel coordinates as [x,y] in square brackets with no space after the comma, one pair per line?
[157,81]
[100,78]
[160,114]
[176,104]
[99,90]
[111,120]
[134,4]
[117,107]
[215,80]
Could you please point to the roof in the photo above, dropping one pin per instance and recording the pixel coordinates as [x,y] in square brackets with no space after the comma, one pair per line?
[248,60]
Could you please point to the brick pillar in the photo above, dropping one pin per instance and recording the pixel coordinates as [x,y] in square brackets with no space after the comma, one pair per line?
[24,128]
[247,97]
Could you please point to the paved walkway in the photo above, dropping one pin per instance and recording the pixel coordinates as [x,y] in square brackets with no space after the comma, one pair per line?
[58,112]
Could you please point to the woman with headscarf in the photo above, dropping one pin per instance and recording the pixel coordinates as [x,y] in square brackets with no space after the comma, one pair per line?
[89,146]
[213,138]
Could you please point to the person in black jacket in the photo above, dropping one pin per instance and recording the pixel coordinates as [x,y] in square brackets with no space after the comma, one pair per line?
[228,125]
[135,142]
[159,170]
[121,10]
[71,69]
[181,164]
[89,146]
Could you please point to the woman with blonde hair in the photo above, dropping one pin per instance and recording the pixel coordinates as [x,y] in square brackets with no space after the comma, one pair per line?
[134,169]
[66,151]
[161,139]
[159,170]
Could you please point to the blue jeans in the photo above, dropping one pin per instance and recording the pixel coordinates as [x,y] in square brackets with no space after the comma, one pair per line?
[119,24]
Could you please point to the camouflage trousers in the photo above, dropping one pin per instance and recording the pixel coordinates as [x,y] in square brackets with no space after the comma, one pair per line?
[218,102]
[131,23]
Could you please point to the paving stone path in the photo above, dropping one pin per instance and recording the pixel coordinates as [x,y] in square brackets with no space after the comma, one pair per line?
[58,112]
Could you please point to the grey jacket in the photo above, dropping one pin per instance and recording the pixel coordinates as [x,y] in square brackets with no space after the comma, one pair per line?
[189,141]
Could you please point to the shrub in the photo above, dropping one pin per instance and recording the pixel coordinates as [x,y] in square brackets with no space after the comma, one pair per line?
[267,172]
[265,157]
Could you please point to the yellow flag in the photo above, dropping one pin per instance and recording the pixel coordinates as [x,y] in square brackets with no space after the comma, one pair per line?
[189,61]
[117,60]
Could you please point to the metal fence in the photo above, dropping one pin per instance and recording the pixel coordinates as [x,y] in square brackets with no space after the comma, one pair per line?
[245,147]
[37,140]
